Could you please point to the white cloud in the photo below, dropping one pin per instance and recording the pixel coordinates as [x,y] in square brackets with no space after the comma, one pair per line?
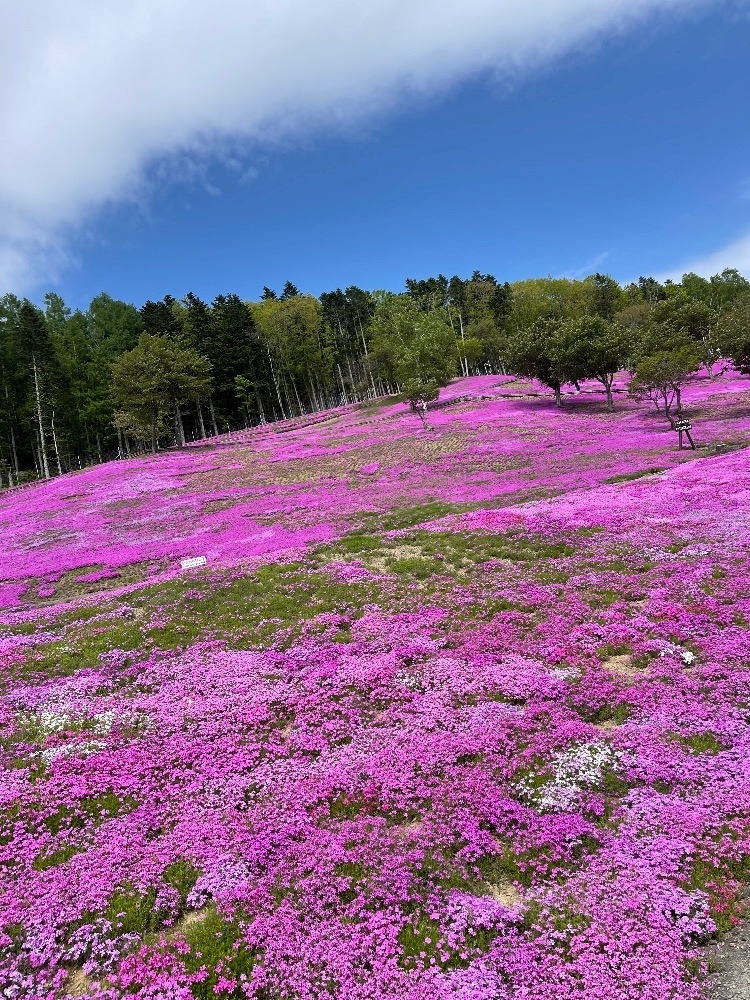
[96,91]
[734,255]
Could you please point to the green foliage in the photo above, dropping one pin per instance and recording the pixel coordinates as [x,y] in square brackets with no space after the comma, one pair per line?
[132,912]
[89,811]
[626,477]
[418,392]
[591,347]
[413,347]
[159,374]
[55,858]
[698,743]
[182,876]
[733,332]
[533,353]
[216,944]
[555,299]
[660,376]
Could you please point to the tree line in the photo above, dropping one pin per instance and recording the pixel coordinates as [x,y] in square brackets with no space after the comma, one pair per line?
[113,380]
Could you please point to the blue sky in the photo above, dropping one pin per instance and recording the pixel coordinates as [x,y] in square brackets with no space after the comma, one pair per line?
[627,153]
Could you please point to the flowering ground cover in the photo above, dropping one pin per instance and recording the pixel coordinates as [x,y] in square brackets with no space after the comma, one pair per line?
[455,713]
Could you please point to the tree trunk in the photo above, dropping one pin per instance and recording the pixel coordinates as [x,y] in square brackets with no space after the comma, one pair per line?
[35,455]
[276,384]
[179,434]
[558,395]
[38,399]
[296,393]
[608,390]
[364,345]
[213,415]
[201,425]
[343,387]
[352,381]
[154,417]
[259,402]
[54,441]
[464,361]
[13,450]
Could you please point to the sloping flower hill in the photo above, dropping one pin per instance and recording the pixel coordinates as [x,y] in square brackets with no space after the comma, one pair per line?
[461,712]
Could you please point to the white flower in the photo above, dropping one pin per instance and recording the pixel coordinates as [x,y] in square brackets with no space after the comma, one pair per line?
[571,771]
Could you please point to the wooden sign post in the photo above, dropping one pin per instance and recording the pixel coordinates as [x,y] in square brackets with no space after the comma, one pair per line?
[684,427]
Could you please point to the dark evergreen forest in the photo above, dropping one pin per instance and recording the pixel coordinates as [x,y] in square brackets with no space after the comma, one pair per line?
[85,386]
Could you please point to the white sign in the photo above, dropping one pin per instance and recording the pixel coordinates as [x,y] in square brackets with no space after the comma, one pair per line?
[192,563]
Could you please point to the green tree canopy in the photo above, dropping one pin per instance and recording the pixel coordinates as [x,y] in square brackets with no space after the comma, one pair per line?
[661,376]
[413,346]
[733,333]
[535,353]
[156,375]
[590,347]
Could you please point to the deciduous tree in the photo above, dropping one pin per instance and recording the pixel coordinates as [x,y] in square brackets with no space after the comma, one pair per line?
[157,375]
[661,376]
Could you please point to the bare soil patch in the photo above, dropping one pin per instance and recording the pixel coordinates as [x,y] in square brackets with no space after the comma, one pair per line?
[622,666]
[503,892]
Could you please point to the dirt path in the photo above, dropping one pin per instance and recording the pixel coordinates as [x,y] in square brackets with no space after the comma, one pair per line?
[731,959]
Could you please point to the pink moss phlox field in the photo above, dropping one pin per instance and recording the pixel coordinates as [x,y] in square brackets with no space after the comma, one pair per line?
[519,778]
[277,489]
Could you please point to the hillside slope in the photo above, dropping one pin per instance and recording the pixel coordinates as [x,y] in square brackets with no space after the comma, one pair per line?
[462,712]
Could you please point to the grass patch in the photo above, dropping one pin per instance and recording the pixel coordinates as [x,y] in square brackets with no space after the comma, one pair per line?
[358,542]
[357,874]
[699,743]
[250,611]
[720,885]
[424,945]
[182,876]
[611,649]
[132,912]
[505,867]
[408,517]
[216,945]
[56,858]
[625,477]
[91,810]
[616,714]
[79,652]
[421,554]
